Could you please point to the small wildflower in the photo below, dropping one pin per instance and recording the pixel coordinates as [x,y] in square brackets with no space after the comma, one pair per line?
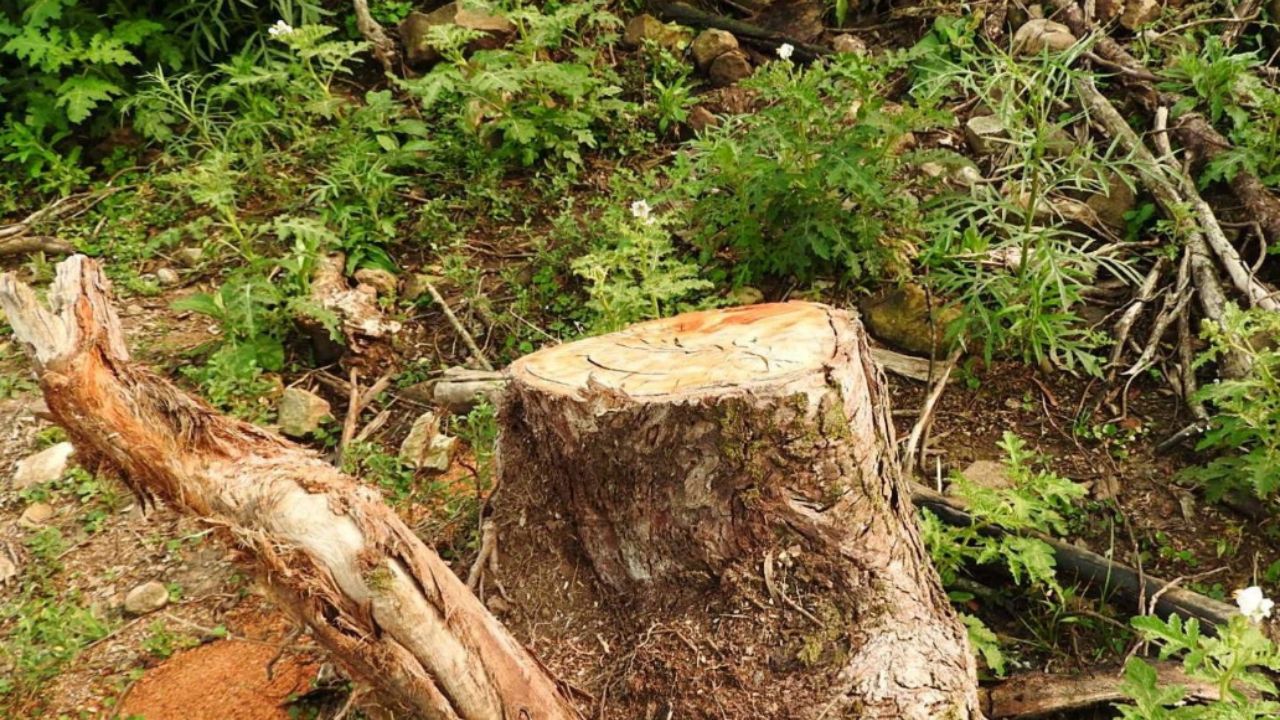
[1253,604]
[785,50]
[280,29]
[641,211]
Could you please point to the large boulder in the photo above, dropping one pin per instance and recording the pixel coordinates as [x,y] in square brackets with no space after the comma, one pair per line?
[415,30]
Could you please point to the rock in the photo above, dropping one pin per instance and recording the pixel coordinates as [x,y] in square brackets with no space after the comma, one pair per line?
[415,31]
[167,277]
[849,44]
[8,570]
[459,389]
[1108,10]
[729,68]
[415,286]
[647,27]
[711,44]
[701,118]
[133,310]
[1139,12]
[900,318]
[1039,34]
[146,598]
[425,447]
[35,515]
[497,605]
[301,412]
[1112,204]
[745,295]
[985,133]
[381,280]
[45,466]
[990,474]
[187,257]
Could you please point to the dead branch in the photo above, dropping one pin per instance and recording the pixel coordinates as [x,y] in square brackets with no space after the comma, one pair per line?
[383,47]
[915,442]
[459,328]
[745,31]
[1041,694]
[329,550]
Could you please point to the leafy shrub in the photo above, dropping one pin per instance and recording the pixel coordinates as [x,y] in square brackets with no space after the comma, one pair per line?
[1233,660]
[812,182]
[516,103]
[1246,426]
[633,273]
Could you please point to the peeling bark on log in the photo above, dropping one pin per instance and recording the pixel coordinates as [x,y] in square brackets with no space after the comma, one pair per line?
[331,551]
[685,447]
[366,333]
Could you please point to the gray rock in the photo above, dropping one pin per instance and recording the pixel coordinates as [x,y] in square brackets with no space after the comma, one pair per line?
[711,44]
[415,31]
[381,280]
[1139,12]
[301,412]
[188,257]
[984,134]
[1111,204]
[440,455]
[167,277]
[35,515]
[1039,34]
[729,68]
[417,444]
[146,598]
[849,44]
[415,286]
[745,295]
[989,474]
[647,27]
[900,318]
[45,466]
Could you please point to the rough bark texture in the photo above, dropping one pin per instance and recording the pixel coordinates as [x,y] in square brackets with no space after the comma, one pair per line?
[332,553]
[685,449]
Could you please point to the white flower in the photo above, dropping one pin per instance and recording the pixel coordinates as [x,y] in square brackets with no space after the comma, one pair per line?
[1253,604]
[785,50]
[280,29]
[641,211]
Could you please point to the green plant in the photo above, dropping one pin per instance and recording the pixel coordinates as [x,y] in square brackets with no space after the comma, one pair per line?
[161,642]
[633,274]
[516,104]
[1245,428]
[814,181]
[1036,500]
[1225,85]
[1234,660]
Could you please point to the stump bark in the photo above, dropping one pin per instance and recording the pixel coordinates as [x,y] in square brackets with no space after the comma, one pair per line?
[695,448]
[330,551]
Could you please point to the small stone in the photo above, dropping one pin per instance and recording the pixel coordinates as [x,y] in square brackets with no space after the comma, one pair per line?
[1114,202]
[45,466]
[415,31]
[729,68]
[415,286]
[745,295]
[968,175]
[1108,10]
[1139,12]
[849,44]
[188,257]
[35,515]
[988,474]
[8,570]
[133,309]
[984,134]
[146,598]
[301,412]
[497,605]
[381,280]
[647,27]
[711,44]
[440,455]
[701,118]
[1039,34]
[900,318]
[417,444]
[167,277]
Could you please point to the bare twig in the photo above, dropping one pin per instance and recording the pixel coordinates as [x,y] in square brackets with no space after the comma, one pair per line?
[915,441]
[457,325]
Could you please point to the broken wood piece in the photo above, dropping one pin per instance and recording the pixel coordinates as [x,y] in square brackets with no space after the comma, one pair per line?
[1034,695]
[329,550]
[476,352]
[693,446]
[365,330]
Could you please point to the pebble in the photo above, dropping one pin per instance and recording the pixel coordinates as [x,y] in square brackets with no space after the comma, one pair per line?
[145,598]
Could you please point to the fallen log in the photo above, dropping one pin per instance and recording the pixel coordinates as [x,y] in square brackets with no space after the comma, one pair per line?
[1034,695]
[691,448]
[329,550]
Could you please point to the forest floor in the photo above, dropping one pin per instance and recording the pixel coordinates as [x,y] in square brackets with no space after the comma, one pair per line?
[215,647]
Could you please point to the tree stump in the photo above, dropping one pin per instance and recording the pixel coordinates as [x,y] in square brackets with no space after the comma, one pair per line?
[691,449]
